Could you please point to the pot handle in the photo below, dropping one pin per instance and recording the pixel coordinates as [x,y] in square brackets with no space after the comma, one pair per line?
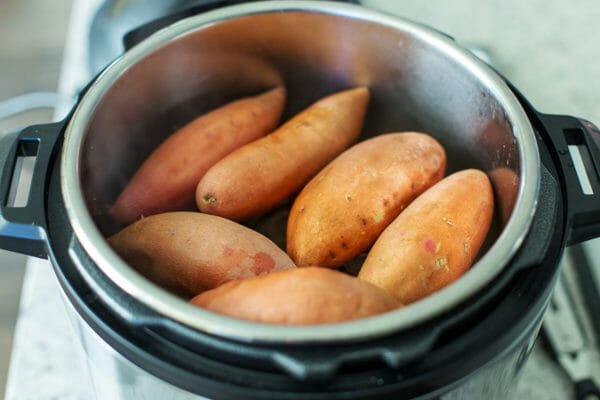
[576,145]
[23,220]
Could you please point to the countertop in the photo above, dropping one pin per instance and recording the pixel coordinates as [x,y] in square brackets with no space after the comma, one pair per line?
[547,49]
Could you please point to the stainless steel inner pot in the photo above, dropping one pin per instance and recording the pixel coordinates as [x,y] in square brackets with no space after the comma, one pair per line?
[419,79]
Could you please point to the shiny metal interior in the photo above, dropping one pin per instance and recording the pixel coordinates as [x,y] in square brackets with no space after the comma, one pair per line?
[419,80]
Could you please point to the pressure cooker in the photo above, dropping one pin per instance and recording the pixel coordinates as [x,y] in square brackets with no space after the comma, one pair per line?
[469,340]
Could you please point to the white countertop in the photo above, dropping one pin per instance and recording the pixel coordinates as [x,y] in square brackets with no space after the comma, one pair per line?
[547,49]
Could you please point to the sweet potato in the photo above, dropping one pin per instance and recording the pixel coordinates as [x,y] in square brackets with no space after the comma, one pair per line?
[506,187]
[189,252]
[434,240]
[342,210]
[298,297]
[167,179]
[258,176]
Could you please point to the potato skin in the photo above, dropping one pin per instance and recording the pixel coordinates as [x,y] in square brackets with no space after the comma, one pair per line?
[189,252]
[341,211]
[434,240]
[167,179]
[258,176]
[301,296]
[506,186]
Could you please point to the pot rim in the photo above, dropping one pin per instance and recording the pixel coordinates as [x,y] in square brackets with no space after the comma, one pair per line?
[161,301]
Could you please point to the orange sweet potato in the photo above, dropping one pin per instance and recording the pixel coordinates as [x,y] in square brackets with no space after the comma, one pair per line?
[167,179]
[189,252]
[260,175]
[434,240]
[298,297]
[342,210]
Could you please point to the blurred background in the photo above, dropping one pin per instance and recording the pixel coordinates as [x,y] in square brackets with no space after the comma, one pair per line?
[32,35]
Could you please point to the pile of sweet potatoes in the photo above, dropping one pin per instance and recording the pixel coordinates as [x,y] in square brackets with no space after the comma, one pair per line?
[385,197]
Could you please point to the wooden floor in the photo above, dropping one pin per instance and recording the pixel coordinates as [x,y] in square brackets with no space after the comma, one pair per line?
[32,35]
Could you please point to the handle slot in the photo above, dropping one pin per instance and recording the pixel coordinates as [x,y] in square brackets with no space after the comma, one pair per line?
[22,176]
[581,158]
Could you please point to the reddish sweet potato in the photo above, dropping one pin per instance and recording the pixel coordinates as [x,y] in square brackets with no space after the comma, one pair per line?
[342,210]
[434,240]
[258,176]
[189,252]
[298,297]
[506,186]
[167,179]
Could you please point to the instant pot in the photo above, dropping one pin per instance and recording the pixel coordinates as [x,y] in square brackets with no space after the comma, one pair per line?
[468,340]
